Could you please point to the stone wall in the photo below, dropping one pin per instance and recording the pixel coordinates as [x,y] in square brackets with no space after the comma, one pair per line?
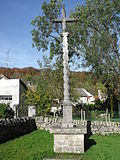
[103,127]
[11,128]
[46,123]
[95,127]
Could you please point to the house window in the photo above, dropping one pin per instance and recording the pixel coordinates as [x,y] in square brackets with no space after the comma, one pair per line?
[5,97]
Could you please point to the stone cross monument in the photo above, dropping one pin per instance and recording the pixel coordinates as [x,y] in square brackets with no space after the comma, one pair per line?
[67,105]
[67,139]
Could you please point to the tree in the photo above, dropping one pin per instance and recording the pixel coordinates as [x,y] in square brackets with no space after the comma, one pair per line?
[41,100]
[49,86]
[98,36]
[94,36]
[6,111]
[51,78]
[44,28]
[45,32]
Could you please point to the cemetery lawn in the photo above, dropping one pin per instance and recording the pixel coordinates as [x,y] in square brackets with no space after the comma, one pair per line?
[39,144]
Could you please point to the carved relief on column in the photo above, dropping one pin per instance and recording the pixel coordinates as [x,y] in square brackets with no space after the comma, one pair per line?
[66,67]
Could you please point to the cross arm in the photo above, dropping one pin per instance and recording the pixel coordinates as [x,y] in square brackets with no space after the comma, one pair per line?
[70,20]
[57,20]
[66,20]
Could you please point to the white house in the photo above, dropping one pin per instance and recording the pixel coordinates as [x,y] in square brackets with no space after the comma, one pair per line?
[11,92]
[85,96]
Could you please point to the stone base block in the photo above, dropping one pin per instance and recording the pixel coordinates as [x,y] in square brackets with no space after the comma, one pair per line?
[68,141]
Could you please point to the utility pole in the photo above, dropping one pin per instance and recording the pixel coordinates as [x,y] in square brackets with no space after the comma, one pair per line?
[67,105]
[7,58]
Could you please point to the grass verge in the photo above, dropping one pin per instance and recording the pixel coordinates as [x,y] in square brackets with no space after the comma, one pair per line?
[39,144]
[33,146]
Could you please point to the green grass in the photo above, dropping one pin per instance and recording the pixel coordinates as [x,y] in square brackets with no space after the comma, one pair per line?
[106,148]
[33,146]
[39,144]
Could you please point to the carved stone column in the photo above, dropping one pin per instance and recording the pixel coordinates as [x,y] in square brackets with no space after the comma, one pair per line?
[67,105]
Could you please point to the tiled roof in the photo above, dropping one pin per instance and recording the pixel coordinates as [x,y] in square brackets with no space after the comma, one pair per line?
[81,92]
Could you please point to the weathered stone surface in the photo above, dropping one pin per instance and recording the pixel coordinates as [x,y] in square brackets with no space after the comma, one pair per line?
[69,143]
[94,128]
[74,130]
[67,105]
[69,140]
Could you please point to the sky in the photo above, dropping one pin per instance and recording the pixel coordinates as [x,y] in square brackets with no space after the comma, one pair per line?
[15,31]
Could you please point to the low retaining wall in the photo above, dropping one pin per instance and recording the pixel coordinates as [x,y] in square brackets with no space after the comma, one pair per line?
[95,127]
[11,128]
[103,127]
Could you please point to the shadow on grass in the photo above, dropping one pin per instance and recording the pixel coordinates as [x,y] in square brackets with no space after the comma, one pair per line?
[87,141]
[17,130]
[9,138]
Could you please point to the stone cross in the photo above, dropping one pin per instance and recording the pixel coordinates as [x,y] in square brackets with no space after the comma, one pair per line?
[67,105]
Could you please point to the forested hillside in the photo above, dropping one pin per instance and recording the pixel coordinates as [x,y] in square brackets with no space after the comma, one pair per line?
[17,72]
[51,81]
[81,79]
[26,74]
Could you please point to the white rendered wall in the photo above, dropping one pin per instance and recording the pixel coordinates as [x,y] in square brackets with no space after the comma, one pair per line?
[10,87]
[85,100]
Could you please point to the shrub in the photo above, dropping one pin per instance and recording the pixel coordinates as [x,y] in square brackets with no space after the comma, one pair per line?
[6,111]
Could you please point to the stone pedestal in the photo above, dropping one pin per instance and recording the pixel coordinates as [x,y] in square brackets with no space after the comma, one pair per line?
[67,115]
[68,140]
